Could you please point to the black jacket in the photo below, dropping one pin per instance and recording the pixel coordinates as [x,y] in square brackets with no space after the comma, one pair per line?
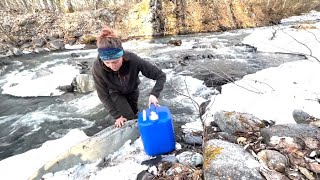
[126,80]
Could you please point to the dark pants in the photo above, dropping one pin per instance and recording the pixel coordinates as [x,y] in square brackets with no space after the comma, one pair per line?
[127,104]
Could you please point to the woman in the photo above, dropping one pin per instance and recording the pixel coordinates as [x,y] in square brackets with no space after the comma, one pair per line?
[115,73]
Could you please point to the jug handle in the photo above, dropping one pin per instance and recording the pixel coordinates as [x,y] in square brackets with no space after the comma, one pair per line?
[153,107]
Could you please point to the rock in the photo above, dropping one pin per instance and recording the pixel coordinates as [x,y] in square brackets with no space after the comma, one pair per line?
[192,140]
[39,42]
[190,158]
[292,136]
[175,42]
[88,39]
[17,52]
[74,55]
[302,117]
[83,83]
[57,44]
[39,50]
[77,34]
[232,122]
[224,160]
[228,137]
[145,175]
[274,160]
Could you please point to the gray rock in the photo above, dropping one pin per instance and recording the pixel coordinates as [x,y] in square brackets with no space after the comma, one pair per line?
[39,42]
[303,135]
[190,158]
[274,160]
[172,159]
[301,117]
[145,175]
[57,44]
[192,140]
[232,122]
[39,50]
[224,160]
[17,51]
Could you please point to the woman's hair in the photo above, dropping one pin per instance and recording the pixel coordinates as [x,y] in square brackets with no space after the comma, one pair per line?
[108,39]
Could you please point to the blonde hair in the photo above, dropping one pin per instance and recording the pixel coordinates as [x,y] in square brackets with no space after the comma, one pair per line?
[108,39]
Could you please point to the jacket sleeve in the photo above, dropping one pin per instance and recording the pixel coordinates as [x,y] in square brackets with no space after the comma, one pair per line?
[153,72]
[103,93]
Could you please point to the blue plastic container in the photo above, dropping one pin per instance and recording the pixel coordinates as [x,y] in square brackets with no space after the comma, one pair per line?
[156,130]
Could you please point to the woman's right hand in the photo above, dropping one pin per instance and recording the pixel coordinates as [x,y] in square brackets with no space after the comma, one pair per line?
[120,122]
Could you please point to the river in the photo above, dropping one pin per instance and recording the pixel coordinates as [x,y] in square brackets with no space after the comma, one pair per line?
[33,111]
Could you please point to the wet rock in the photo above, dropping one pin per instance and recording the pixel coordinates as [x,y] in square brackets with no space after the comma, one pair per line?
[175,42]
[17,52]
[204,46]
[190,158]
[224,160]
[192,139]
[9,53]
[39,50]
[274,160]
[39,42]
[57,44]
[232,122]
[74,55]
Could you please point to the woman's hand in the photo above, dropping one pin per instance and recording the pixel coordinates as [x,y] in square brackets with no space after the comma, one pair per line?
[153,99]
[120,122]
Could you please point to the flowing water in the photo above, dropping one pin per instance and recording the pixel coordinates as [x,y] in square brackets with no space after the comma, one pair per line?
[32,111]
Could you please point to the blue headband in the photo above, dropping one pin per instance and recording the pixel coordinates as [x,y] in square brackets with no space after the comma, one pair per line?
[106,54]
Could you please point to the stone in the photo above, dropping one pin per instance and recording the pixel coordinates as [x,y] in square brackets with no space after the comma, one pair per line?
[190,158]
[232,122]
[224,160]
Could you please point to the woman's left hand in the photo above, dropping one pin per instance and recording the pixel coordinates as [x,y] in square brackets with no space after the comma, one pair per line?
[153,99]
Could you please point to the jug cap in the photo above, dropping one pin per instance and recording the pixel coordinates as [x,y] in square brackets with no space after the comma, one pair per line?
[153,116]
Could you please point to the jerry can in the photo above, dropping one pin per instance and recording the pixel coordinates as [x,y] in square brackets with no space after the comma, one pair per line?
[156,130]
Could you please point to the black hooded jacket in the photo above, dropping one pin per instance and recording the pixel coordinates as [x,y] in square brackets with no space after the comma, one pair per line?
[125,80]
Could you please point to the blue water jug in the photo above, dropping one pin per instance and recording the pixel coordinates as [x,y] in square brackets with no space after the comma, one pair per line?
[156,130]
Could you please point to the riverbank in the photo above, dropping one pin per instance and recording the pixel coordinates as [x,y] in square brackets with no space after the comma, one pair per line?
[23,31]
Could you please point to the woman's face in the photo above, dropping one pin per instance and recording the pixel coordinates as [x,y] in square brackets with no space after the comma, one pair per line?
[114,64]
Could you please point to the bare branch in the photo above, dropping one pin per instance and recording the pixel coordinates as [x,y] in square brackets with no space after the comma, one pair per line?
[232,81]
[302,45]
[313,35]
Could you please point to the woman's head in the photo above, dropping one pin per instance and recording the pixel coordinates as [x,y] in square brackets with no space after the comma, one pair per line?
[110,49]
[108,39]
